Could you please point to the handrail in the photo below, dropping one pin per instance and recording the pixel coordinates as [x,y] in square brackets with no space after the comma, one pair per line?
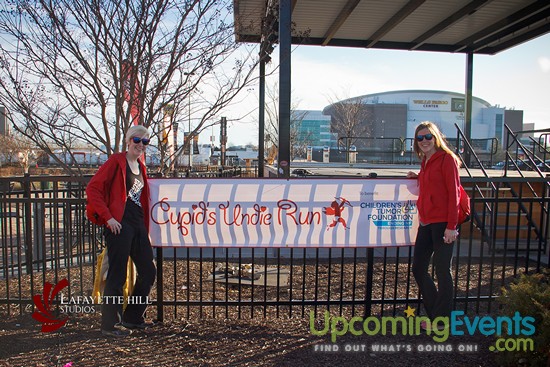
[521,146]
[539,147]
[345,148]
[396,145]
[543,137]
[460,135]
[461,139]
[511,139]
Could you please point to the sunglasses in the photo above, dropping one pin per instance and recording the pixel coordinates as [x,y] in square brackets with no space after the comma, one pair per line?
[427,136]
[144,141]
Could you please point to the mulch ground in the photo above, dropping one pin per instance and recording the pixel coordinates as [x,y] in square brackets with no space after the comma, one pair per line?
[198,336]
[219,342]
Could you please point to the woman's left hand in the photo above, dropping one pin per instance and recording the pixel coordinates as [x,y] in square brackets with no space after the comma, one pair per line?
[450,235]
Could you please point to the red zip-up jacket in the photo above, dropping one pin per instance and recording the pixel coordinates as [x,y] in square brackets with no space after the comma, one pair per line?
[439,186]
[107,193]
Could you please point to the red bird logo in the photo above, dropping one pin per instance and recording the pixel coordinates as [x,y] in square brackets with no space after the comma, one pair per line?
[335,209]
[43,303]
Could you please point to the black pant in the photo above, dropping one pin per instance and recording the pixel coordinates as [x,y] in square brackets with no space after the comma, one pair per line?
[133,242]
[429,241]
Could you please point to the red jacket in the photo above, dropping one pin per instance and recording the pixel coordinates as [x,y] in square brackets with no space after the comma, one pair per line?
[439,184]
[107,193]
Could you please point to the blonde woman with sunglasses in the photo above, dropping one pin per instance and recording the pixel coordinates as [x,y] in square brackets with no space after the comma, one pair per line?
[438,200]
[120,196]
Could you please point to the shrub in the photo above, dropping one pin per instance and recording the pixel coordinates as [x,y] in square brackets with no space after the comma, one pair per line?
[530,296]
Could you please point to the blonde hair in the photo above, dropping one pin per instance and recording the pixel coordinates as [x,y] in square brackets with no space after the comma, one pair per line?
[136,130]
[440,141]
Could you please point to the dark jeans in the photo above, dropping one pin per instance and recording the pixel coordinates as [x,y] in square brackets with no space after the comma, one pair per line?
[133,242]
[429,241]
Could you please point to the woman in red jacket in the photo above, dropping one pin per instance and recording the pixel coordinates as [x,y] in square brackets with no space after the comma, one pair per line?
[438,200]
[120,196]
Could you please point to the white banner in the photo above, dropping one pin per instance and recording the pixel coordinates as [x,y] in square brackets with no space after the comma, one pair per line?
[283,213]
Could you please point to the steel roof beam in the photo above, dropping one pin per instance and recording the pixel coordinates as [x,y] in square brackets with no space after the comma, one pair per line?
[446,23]
[402,14]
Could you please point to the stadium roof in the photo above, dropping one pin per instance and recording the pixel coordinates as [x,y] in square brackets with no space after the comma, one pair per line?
[407,91]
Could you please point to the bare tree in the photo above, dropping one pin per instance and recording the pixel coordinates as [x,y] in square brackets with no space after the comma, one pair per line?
[298,140]
[8,153]
[351,120]
[17,149]
[86,70]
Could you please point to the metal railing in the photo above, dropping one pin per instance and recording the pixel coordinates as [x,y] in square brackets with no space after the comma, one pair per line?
[400,150]
[44,237]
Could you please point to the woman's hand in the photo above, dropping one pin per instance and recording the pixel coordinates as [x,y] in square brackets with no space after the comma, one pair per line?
[450,235]
[114,225]
[412,174]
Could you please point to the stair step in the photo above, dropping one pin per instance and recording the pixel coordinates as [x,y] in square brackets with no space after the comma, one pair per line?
[482,188]
[521,245]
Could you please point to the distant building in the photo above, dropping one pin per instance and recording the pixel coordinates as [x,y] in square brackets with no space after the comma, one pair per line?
[396,114]
[236,156]
[5,122]
[313,128]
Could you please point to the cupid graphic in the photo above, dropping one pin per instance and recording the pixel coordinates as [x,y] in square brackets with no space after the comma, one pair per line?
[43,304]
[336,210]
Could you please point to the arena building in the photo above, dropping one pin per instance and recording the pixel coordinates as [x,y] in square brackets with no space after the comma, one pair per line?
[395,114]
[389,119]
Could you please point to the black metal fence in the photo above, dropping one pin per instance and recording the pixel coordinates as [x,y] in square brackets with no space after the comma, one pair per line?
[384,150]
[44,237]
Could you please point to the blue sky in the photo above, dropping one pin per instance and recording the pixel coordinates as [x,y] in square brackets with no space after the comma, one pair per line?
[517,78]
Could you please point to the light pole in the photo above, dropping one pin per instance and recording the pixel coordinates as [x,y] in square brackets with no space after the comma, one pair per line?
[383,133]
[189,136]
[175,125]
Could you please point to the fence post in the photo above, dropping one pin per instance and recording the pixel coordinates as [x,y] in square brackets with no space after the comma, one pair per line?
[370,273]
[28,222]
[160,281]
[38,231]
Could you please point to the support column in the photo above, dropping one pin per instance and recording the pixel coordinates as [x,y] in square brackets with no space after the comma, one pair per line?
[285,41]
[468,104]
[261,119]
